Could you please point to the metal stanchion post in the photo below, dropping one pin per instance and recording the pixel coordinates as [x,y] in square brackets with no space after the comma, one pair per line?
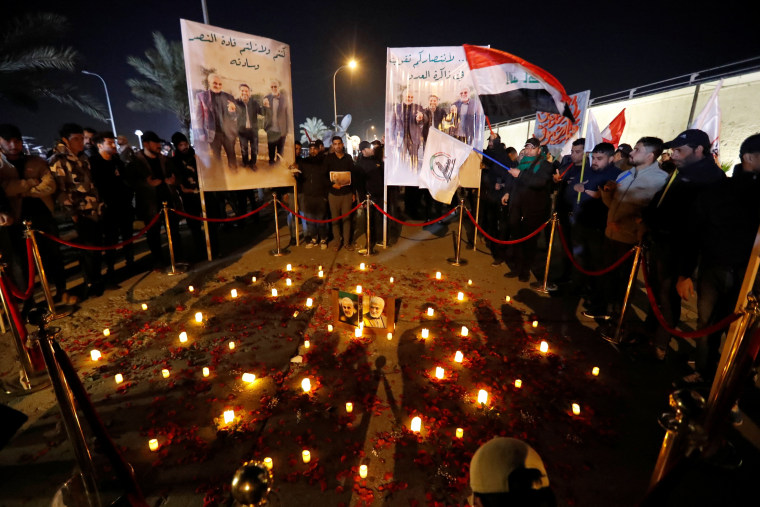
[544,289]
[615,339]
[367,205]
[69,415]
[41,272]
[174,269]
[278,252]
[458,261]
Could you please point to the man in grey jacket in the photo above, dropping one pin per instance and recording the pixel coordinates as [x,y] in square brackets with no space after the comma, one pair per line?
[626,198]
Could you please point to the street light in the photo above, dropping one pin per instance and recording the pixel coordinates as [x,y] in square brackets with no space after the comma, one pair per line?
[351,65]
[139,134]
[108,99]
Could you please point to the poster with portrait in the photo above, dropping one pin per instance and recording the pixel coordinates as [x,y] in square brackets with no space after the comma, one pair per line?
[556,130]
[374,313]
[241,109]
[429,88]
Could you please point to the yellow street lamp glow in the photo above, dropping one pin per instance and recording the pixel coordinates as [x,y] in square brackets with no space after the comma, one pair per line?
[306,385]
[119,378]
[595,371]
[95,354]
[483,396]
[268,463]
[352,64]
[544,347]
[363,471]
[229,416]
[249,377]
[199,317]
[458,356]
[183,337]
[416,424]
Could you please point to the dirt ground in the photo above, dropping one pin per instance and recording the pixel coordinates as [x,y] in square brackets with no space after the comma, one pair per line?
[604,456]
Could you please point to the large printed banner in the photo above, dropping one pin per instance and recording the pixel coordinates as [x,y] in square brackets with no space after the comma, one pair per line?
[555,130]
[240,105]
[429,88]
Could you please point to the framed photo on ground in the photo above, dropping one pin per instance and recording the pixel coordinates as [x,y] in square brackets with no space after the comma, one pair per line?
[375,313]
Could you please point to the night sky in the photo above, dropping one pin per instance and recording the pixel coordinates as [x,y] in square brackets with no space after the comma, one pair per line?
[601,46]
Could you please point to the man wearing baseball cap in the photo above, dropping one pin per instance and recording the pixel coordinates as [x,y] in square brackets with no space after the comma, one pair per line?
[668,218]
[509,472]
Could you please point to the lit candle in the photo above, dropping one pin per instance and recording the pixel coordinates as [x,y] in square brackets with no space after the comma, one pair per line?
[518,383]
[233,293]
[389,336]
[458,356]
[295,314]
[358,332]
[183,337]
[362,266]
[229,416]
[535,323]
[165,373]
[576,409]
[144,306]
[288,267]
[206,371]
[321,273]
[306,344]
[349,407]
[253,278]
[306,385]
[249,377]
[288,282]
[460,432]
[544,347]
[198,317]
[416,424]
[309,302]
[119,378]
[460,296]
[191,288]
[469,282]
[106,332]
[508,299]
[358,289]
[320,267]
[306,455]
[390,279]
[274,293]
[439,372]
[95,354]
[268,463]
[437,275]
[153,444]
[363,471]
[425,332]
[595,371]
[232,345]
[483,396]
[330,327]
[465,331]
[430,312]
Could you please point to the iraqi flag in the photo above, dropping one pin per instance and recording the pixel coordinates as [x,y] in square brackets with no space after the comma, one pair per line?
[509,87]
[614,131]
[443,157]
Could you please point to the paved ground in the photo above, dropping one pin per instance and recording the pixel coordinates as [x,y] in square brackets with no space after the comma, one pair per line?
[604,456]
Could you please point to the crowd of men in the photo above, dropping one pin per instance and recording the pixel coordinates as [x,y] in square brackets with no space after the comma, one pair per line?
[697,225]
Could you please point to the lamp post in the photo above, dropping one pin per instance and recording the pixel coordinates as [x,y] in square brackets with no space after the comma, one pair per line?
[108,99]
[139,134]
[351,65]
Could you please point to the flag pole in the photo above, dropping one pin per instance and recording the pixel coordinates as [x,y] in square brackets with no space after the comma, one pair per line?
[583,164]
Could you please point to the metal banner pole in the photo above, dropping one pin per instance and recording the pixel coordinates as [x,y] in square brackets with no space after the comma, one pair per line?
[173,268]
[41,272]
[543,289]
[278,252]
[367,204]
[615,340]
[477,220]
[295,209]
[205,224]
[457,261]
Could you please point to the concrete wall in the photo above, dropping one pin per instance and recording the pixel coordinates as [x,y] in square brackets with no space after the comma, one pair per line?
[666,114]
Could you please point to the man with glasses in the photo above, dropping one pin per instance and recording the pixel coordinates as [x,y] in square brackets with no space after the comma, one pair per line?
[529,205]
[467,112]
[277,120]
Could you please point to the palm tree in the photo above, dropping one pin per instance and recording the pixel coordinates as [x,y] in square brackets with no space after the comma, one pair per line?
[32,62]
[164,87]
[312,129]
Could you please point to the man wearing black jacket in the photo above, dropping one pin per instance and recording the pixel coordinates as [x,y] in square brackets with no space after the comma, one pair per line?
[340,168]
[369,180]
[316,186]
[495,182]
[668,218]
[529,205]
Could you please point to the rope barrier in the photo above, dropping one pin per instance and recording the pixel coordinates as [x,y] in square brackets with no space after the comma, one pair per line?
[102,248]
[506,242]
[321,221]
[580,268]
[423,224]
[18,322]
[23,296]
[682,334]
[218,220]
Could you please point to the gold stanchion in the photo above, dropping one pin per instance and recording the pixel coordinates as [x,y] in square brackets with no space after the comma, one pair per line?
[29,233]
[458,261]
[295,209]
[544,289]
[367,205]
[615,339]
[174,268]
[278,252]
